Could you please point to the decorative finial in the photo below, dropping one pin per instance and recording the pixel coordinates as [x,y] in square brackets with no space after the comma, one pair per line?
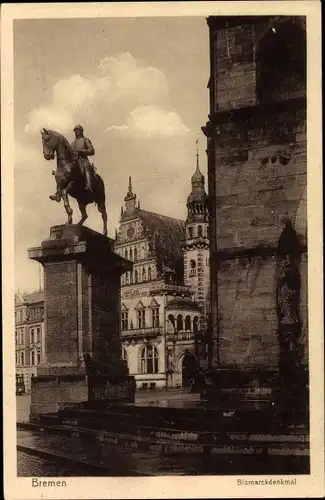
[139,204]
[130,185]
[197,153]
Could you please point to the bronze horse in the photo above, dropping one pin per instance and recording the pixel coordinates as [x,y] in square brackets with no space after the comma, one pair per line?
[69,178]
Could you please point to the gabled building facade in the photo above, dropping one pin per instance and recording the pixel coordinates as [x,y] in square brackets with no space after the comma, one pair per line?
[162,311]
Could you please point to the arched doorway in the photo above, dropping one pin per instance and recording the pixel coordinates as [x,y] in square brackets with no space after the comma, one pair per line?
[189,368]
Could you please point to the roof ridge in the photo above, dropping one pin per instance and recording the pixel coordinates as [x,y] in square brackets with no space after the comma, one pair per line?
[161,215]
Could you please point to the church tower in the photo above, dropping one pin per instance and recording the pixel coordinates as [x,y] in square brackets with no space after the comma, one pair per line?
[196,246]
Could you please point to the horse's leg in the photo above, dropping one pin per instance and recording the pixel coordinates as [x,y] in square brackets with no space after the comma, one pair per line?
[67,207]
[84,216]
[102,210]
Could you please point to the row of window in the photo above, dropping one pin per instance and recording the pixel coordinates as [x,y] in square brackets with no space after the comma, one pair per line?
[149,359]
[137,276]
[131,254]
[30,314]
[34,335]
[197,208]
[35,358]
[199,233]
[141,319]
[181,324]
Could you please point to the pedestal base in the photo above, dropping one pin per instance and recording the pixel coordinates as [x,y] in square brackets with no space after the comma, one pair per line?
[51,393]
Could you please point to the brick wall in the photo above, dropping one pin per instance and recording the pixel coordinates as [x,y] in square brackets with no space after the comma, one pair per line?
[257,165]
[235,67]
[254,190]
[106,317]
[61,329]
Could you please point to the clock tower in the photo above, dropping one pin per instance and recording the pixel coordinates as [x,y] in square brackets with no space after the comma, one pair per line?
[196,246]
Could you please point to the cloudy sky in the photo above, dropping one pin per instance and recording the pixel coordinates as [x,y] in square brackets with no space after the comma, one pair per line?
[139,88]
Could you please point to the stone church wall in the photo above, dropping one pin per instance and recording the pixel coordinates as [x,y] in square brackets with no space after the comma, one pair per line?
[258,167]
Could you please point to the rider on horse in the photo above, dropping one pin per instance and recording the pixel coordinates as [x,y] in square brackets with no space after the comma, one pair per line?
[83,148]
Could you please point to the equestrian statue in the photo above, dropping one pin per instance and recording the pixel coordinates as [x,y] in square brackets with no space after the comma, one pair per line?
[75,175]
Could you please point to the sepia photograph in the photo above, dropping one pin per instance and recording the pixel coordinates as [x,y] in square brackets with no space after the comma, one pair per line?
[165,204]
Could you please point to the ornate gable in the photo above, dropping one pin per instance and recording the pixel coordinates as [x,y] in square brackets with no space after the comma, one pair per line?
[153,304]
[139,306]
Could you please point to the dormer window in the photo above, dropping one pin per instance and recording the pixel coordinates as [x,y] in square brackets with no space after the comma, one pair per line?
[190,232]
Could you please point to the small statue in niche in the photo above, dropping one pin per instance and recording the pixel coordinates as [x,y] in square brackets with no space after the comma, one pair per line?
[288,292]
[288,298]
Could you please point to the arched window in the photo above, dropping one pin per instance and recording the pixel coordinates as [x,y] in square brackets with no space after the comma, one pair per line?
[171,319]
[125,355]
[187,323]
[136,276]
[135,255]
[195,324]
[144,276]
[192,267]
[281,63]
[199,231]
[179,323]
[190,232]
[149,359]
[126,253]
[208,231]
[149,274]
[131,254]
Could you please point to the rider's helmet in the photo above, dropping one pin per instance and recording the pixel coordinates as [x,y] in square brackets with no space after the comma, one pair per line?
[78,127]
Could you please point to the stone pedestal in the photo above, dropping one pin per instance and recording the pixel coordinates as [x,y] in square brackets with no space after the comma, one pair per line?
[82,320]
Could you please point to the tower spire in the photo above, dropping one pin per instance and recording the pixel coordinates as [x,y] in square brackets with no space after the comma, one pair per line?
[197,153]
[130,198]
[130,186]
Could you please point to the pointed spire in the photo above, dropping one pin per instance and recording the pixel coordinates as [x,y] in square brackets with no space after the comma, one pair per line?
[130,198]
[197,177]
[197,154]
[130,186]
[139,205]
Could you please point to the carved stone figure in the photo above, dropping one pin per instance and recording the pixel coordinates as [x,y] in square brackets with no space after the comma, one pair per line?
[288,298]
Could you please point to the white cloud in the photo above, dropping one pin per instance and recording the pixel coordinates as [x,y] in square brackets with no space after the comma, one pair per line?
[149,121]
[147,140]
[120,81]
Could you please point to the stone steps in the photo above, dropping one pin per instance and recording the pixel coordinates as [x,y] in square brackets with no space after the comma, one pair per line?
[154,453]
[295,441]
[192,419]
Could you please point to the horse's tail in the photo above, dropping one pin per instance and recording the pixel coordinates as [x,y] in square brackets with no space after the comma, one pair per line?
[100,197]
